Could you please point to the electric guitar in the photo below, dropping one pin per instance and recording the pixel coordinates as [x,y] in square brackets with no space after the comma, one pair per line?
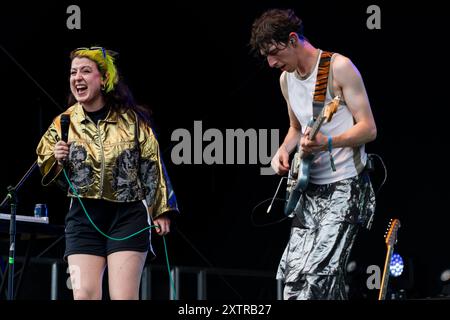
[298,177]
[391,239]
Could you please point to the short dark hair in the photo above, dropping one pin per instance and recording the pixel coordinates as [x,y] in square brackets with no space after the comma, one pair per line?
[274,26]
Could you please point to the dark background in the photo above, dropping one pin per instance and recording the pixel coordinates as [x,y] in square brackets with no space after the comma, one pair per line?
[190,61]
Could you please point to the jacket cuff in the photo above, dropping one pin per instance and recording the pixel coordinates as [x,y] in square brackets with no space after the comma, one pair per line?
[51,175]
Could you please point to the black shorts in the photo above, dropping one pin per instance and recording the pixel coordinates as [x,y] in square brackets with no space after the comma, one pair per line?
[115,219]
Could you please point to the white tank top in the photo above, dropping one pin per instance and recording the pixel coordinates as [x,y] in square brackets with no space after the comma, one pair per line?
[299,93]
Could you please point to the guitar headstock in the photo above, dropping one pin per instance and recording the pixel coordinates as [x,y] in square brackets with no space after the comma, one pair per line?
[330,109]
[391,233]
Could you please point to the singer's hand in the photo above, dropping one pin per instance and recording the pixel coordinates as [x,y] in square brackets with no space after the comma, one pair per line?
[61,151]
[280,161]
[163,224]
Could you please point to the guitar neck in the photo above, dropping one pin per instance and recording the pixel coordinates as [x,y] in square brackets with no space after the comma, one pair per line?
[316,127]
[386,271]
[313,132]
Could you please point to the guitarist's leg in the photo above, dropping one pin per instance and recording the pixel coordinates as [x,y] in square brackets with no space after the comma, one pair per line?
[313,264]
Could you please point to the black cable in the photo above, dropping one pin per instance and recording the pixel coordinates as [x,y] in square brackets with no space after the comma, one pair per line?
[265,224]
[385,172]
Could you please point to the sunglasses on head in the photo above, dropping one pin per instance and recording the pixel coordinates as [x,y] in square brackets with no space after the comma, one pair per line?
[93,48]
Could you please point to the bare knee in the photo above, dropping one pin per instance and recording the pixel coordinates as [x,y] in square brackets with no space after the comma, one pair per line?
[124,273]
[121,295]
[87,294]
[86,274]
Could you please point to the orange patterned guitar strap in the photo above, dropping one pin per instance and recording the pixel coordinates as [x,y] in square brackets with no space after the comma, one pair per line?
[320,90]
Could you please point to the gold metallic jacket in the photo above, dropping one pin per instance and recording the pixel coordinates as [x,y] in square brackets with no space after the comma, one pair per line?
[106,161]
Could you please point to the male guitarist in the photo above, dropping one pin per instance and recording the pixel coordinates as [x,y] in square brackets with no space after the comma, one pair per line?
[339,197]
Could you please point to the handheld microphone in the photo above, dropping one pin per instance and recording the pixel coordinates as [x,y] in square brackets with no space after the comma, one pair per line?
[65,122]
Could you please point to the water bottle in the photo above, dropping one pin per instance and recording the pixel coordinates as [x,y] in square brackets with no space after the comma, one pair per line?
[40,210]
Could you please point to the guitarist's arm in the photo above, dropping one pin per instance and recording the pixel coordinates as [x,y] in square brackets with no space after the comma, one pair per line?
[348,81]
[280,161]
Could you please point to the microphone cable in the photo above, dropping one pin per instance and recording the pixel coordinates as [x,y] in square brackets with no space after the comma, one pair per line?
[124,238]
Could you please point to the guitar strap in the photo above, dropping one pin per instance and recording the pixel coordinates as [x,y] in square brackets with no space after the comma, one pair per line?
[320,93]
[320,90]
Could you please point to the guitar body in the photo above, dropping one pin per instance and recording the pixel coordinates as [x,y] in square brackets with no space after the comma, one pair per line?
[298,185]
[292,198]
[304,172]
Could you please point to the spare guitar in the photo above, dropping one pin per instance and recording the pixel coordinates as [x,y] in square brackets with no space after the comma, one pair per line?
[298,177]
[391,239]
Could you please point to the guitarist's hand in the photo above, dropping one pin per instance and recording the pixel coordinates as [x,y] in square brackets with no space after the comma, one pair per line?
[280,161]
[320,143]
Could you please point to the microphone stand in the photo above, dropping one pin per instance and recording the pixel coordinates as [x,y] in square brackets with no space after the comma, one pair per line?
[12,241]
[19,184]
[12,196]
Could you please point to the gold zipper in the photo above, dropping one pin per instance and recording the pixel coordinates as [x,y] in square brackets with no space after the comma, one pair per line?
[102,172]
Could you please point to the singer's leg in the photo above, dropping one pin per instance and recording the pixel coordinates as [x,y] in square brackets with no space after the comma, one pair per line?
[86,275]
[124,274]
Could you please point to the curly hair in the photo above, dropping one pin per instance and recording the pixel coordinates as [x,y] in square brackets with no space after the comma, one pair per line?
[274,27]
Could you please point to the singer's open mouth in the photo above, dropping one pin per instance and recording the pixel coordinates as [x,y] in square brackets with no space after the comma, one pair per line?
[81,88]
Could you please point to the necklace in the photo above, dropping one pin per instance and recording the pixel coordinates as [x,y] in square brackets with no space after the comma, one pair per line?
[303,77]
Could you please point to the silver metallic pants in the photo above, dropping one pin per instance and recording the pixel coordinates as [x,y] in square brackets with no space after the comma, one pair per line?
[324,228]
